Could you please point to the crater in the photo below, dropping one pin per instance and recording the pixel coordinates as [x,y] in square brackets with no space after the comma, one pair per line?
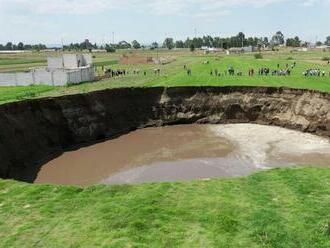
[186,152]
[128,134]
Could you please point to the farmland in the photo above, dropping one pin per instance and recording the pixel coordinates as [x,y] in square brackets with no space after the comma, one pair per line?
[287,207]
[173,74]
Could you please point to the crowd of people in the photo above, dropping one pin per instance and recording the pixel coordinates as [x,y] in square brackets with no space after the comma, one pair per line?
[266,71]
[108,72]
[315,73]
[231,71]
[188,70]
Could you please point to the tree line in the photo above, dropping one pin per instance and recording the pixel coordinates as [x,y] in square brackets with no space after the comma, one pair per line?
[9,46]
[239,40]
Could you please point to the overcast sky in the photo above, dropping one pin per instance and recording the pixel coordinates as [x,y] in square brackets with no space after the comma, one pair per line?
[49,21]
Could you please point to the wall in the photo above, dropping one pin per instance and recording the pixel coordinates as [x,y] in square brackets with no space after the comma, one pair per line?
[60,78]
[88,60]
[70,61]
[55,62]
[81,75]
[35,131]
[44,76]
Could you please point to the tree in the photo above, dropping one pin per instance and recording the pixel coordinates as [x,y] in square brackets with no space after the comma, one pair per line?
[319,43]
[241,38]
[250,41]
[122,45]
[266,42]
[20,46]
[85,45]
[27,47]
[109,48]
[208,41]
[168,43]
[192,47]
[154,45]
[293,42]
[9,46]
[278,38]
[198,42]
[179,44]
[327,42]
[187,43]
[136,45]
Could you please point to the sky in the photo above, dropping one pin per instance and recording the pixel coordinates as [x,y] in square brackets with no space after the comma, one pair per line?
[57,21]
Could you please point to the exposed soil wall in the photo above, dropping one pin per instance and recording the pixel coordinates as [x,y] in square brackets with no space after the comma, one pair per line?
[34,131]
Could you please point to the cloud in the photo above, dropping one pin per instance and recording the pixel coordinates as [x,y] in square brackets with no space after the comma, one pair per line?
[194,8]
[311,3]
[308,3]
[163,7]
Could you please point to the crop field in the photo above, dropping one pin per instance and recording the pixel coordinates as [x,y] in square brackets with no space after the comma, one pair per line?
[173,74]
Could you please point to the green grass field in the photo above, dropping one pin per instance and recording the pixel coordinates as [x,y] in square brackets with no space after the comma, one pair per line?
[277,208]
[173,74]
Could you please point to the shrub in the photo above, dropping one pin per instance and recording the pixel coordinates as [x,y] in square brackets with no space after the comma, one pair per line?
[258,56]
[290,58]
[326,58]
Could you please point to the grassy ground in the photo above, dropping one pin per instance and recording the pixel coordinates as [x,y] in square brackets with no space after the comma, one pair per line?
[277,208]
[173,74]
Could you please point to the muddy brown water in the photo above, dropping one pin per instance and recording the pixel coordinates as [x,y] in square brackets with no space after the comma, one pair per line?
[186,152]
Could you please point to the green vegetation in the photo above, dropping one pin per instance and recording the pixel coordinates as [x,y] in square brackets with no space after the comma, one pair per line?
[277,208]
[258,56]
[106,63]
[22,92]
[173,74]
[11,61]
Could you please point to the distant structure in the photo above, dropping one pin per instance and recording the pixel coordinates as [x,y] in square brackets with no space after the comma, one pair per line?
[66,69]
[323,47]
[238,50]
[208,50]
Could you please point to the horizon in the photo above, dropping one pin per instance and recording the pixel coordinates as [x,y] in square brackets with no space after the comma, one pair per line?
[64,21]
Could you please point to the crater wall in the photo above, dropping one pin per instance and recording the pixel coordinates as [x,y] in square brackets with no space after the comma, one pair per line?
[35,131]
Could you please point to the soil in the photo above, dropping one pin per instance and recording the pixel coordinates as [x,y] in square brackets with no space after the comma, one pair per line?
[34,132]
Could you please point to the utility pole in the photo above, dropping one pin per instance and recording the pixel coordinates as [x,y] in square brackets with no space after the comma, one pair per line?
[113,38]
[62,43]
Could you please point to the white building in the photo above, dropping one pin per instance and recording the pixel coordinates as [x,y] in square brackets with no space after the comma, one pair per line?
[66,69]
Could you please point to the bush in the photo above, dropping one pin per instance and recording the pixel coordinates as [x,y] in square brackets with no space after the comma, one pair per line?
[258,56]
[326,58]
[290,58]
